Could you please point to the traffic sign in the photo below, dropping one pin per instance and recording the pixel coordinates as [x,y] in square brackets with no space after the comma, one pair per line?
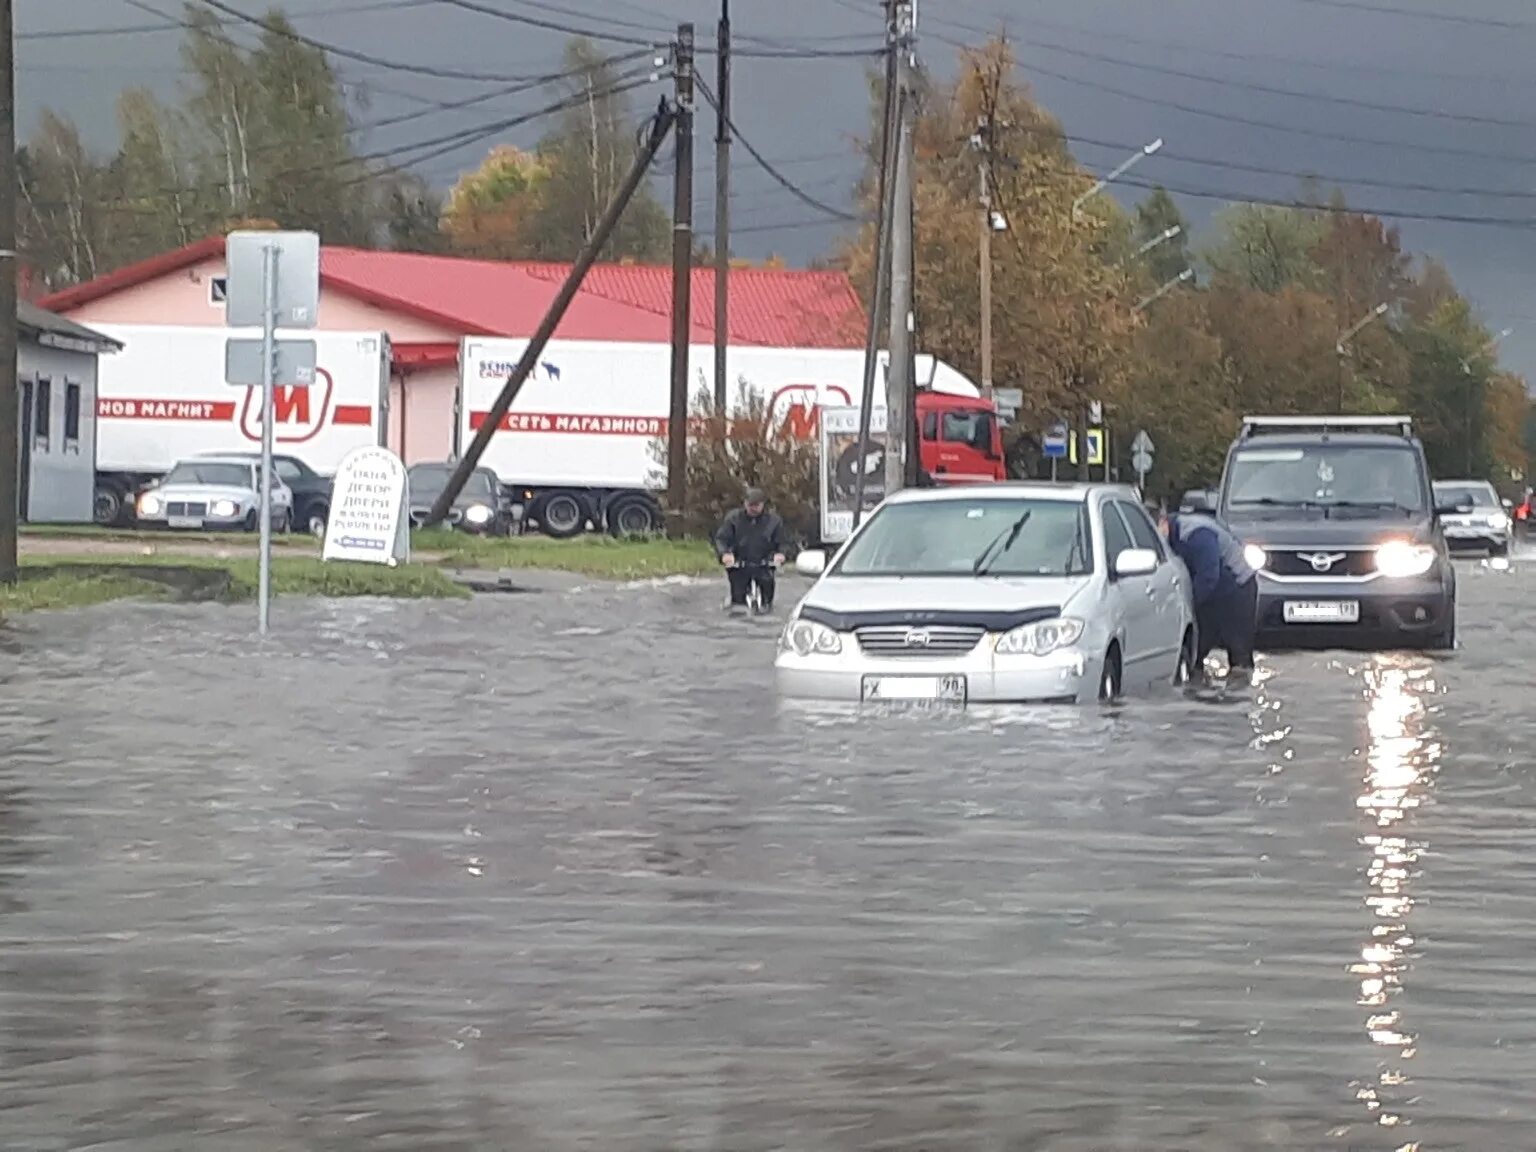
[1055,442]
[1143,443]
[1095,412]
[1141,461]
[1095,447]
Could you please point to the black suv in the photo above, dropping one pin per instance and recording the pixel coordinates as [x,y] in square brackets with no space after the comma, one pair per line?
[1339,518]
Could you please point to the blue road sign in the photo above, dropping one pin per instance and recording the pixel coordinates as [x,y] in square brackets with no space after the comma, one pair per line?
[1055,442]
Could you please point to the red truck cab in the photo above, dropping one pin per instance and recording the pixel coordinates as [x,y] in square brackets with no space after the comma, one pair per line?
[962,439]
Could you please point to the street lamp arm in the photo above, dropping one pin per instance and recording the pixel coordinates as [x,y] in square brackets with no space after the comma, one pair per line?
[1114,175]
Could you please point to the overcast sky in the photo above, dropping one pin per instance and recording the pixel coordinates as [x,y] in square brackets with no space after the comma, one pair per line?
[1426,115]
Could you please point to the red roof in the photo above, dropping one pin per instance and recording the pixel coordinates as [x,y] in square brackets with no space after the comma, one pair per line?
[769,307]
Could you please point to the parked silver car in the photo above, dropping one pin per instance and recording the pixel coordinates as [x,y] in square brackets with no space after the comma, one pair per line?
[212,493]
[1481,522]
[999,593]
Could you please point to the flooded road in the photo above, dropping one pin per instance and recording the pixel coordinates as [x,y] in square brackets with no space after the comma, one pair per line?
[552,872]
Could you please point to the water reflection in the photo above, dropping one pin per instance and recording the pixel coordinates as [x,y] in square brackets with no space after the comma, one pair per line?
[1401,759]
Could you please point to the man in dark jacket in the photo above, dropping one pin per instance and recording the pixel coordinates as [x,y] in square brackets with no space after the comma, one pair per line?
[750,543]
[1226,588]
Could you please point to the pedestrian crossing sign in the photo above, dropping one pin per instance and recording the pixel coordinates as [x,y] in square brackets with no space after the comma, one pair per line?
[1095,447]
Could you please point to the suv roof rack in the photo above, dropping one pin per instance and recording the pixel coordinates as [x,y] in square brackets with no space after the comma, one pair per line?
[1253,425]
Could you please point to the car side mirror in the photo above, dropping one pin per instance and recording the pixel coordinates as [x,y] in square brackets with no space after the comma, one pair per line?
[811,562]
[1508,504]
[1136,562]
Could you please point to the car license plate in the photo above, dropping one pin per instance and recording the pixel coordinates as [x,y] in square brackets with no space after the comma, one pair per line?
[184,522]
[1322,611]
[944,689]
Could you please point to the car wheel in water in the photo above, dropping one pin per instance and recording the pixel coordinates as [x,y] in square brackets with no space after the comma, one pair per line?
[284,523]
[1445,639]
[1184,671]
[316,520]
[1109,679]
[562,516]
[1499,549]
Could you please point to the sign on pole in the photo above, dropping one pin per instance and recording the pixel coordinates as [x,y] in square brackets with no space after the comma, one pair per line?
[1142,449]
[272,281]
[1095,412]
[841,459]
[293,365]
[368,521]
[1054,444]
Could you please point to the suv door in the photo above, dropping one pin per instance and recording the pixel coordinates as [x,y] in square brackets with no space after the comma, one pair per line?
[1132,599]
[1167,582]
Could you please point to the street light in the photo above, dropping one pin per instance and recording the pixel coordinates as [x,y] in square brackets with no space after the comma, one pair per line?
[1161,238]
[1099,186]
[1341,346]
[1187,274]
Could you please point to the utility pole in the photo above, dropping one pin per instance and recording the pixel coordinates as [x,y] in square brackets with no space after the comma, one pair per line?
[10,445]
[898,400]
[682,278]
[984,142]
[722,202]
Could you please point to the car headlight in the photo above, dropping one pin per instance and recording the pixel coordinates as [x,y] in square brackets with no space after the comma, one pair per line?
[1398,558]
[1255,556]
[1040,639]
[805,637]
[149,505]
[1498,521]
[479,514]
[225,508]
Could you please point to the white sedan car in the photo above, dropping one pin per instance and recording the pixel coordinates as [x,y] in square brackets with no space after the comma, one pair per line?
[998,593]
[212,493]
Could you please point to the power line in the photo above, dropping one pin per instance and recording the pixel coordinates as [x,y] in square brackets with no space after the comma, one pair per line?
[170,24]
[1420,14]
[784,181]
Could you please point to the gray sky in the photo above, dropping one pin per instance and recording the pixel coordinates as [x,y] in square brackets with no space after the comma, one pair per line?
[1432,111]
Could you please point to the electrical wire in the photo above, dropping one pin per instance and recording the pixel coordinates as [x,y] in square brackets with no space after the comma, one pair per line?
[1420,14]
[762,162]
[171,24]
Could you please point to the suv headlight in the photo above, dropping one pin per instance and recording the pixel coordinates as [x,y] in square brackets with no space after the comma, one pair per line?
[149,505]
[224,508]
[478,514]
[1498,521]
[805,637]
[1398,558]
[1040,639]
[1255,556]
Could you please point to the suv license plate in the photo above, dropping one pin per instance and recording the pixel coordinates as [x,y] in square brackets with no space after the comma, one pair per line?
[184,522]
[944,689]
[1322,611]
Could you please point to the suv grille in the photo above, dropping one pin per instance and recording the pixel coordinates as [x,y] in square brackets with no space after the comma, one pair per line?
[1300,562]
[936,640]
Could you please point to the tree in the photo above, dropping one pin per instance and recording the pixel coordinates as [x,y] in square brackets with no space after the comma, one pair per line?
[1154,217]
[1266,249]
[155,203]
[61,193]
[411,212]
[489,211]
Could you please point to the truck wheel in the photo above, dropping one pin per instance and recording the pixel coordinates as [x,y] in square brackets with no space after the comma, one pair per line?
[109,505]
[632,516]
[561,515]
[316,518]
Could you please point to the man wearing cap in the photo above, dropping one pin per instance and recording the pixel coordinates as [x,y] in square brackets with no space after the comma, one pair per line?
[750,543]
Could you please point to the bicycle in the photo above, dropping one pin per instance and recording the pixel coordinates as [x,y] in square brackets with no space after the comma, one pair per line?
[755,604]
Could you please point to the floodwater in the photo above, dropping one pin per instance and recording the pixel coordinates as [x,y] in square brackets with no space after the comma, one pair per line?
[555,871]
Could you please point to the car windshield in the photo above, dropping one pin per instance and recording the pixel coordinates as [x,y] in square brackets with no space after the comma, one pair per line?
[428,481]
[992,537]
[1326,476]
[1477,495]
[222,475]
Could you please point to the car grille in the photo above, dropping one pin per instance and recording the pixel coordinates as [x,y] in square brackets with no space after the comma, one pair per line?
[897,640]
[181,508]
[1298,562]
[419,515]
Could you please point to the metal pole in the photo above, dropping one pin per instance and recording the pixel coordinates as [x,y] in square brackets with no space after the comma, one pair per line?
[986,278]
[887,190]
[898,400]
[682,278]
[268,415]
[10,402]
[665,118]
[722,203]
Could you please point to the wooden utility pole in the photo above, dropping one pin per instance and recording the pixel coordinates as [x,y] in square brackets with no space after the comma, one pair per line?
[984,144]
[898,400]
[722,203]
[10,443]
[682,277]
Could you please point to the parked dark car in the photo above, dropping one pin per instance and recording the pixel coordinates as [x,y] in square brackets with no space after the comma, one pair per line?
[311,491]
[480,507]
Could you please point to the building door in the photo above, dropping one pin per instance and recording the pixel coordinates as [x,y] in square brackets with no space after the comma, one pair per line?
[24,479]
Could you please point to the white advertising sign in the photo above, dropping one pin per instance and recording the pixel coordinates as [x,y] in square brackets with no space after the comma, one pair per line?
[368,521]
[841,460]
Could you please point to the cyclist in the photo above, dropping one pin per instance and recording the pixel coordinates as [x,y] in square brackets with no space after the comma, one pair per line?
[750,543]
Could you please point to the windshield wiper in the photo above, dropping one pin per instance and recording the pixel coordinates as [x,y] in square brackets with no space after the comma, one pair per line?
[1371,505]
[1271,502]
[1006,538]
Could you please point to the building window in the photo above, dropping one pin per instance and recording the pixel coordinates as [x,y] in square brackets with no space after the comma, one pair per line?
[42,414]
[218,291]
[72,416]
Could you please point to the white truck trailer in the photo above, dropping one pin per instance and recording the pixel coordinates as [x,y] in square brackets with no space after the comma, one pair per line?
[164,398]
[577,446]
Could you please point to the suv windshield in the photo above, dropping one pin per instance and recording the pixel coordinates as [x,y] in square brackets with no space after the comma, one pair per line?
[1477,495]
[972,537]
[1368,477]
[222,475]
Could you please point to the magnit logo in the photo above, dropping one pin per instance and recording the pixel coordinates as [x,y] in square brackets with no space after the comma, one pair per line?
[298,413]
[793,407]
